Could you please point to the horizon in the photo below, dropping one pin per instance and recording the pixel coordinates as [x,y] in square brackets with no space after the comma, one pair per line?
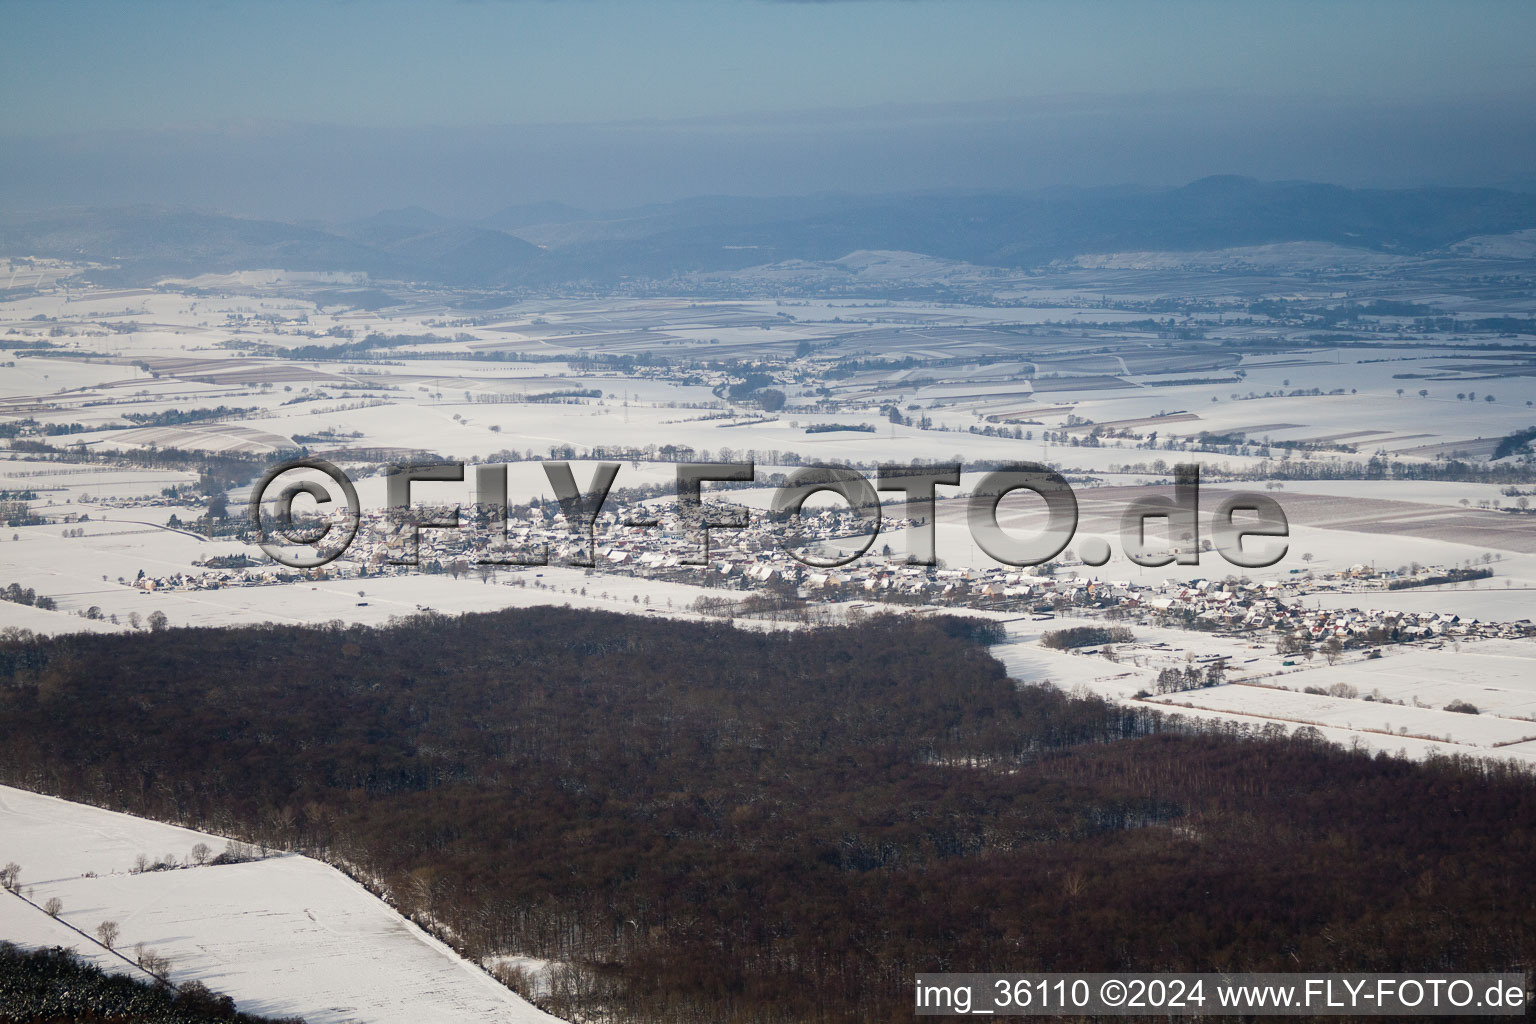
[594,212]
[291,111]
[293,171]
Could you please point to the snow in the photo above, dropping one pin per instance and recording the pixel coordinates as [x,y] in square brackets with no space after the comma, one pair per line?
[1516,245]
[287,935]
[968,367]
[1476,734]
[22,923]
[1408,687]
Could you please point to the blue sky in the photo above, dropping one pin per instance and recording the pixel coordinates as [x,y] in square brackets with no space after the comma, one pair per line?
[335,107]
[72,66]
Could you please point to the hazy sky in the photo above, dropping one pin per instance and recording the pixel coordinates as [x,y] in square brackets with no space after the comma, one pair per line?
[604,89]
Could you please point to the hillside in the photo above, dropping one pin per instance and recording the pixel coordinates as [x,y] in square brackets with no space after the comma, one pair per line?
[283,936]
[549,244]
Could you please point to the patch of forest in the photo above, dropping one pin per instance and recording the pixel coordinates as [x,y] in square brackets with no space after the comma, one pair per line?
[49,986]
[728,825]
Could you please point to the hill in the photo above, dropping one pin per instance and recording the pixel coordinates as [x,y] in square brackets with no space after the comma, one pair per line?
[548,244]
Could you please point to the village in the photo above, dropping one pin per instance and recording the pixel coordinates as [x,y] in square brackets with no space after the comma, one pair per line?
[754,561]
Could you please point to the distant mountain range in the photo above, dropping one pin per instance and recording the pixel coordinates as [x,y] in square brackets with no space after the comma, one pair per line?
[550,243]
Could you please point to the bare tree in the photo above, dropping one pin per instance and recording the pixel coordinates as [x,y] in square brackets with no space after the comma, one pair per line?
[107,932]
[200,854]
[1332,648]
[152,962]
[54,907]
[9,874]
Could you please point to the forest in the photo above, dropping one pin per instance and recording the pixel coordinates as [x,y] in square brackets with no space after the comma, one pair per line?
[708,823]
[50,986]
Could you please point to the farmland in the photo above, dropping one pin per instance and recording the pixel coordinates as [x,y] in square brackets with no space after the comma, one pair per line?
[1398,618]
[1372,428]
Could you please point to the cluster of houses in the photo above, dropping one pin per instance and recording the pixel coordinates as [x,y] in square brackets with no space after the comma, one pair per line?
[752,559]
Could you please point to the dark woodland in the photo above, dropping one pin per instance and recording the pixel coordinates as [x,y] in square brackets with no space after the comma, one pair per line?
[53,986]
[715,824]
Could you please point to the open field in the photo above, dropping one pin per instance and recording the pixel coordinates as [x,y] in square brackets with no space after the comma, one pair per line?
[285,935]
[1074,370]
[1392,703]
[1482,734]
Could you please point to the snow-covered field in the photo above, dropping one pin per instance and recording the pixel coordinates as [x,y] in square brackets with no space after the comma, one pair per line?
[1396,703]
[1074,354]
[1479,734]
[284,936]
